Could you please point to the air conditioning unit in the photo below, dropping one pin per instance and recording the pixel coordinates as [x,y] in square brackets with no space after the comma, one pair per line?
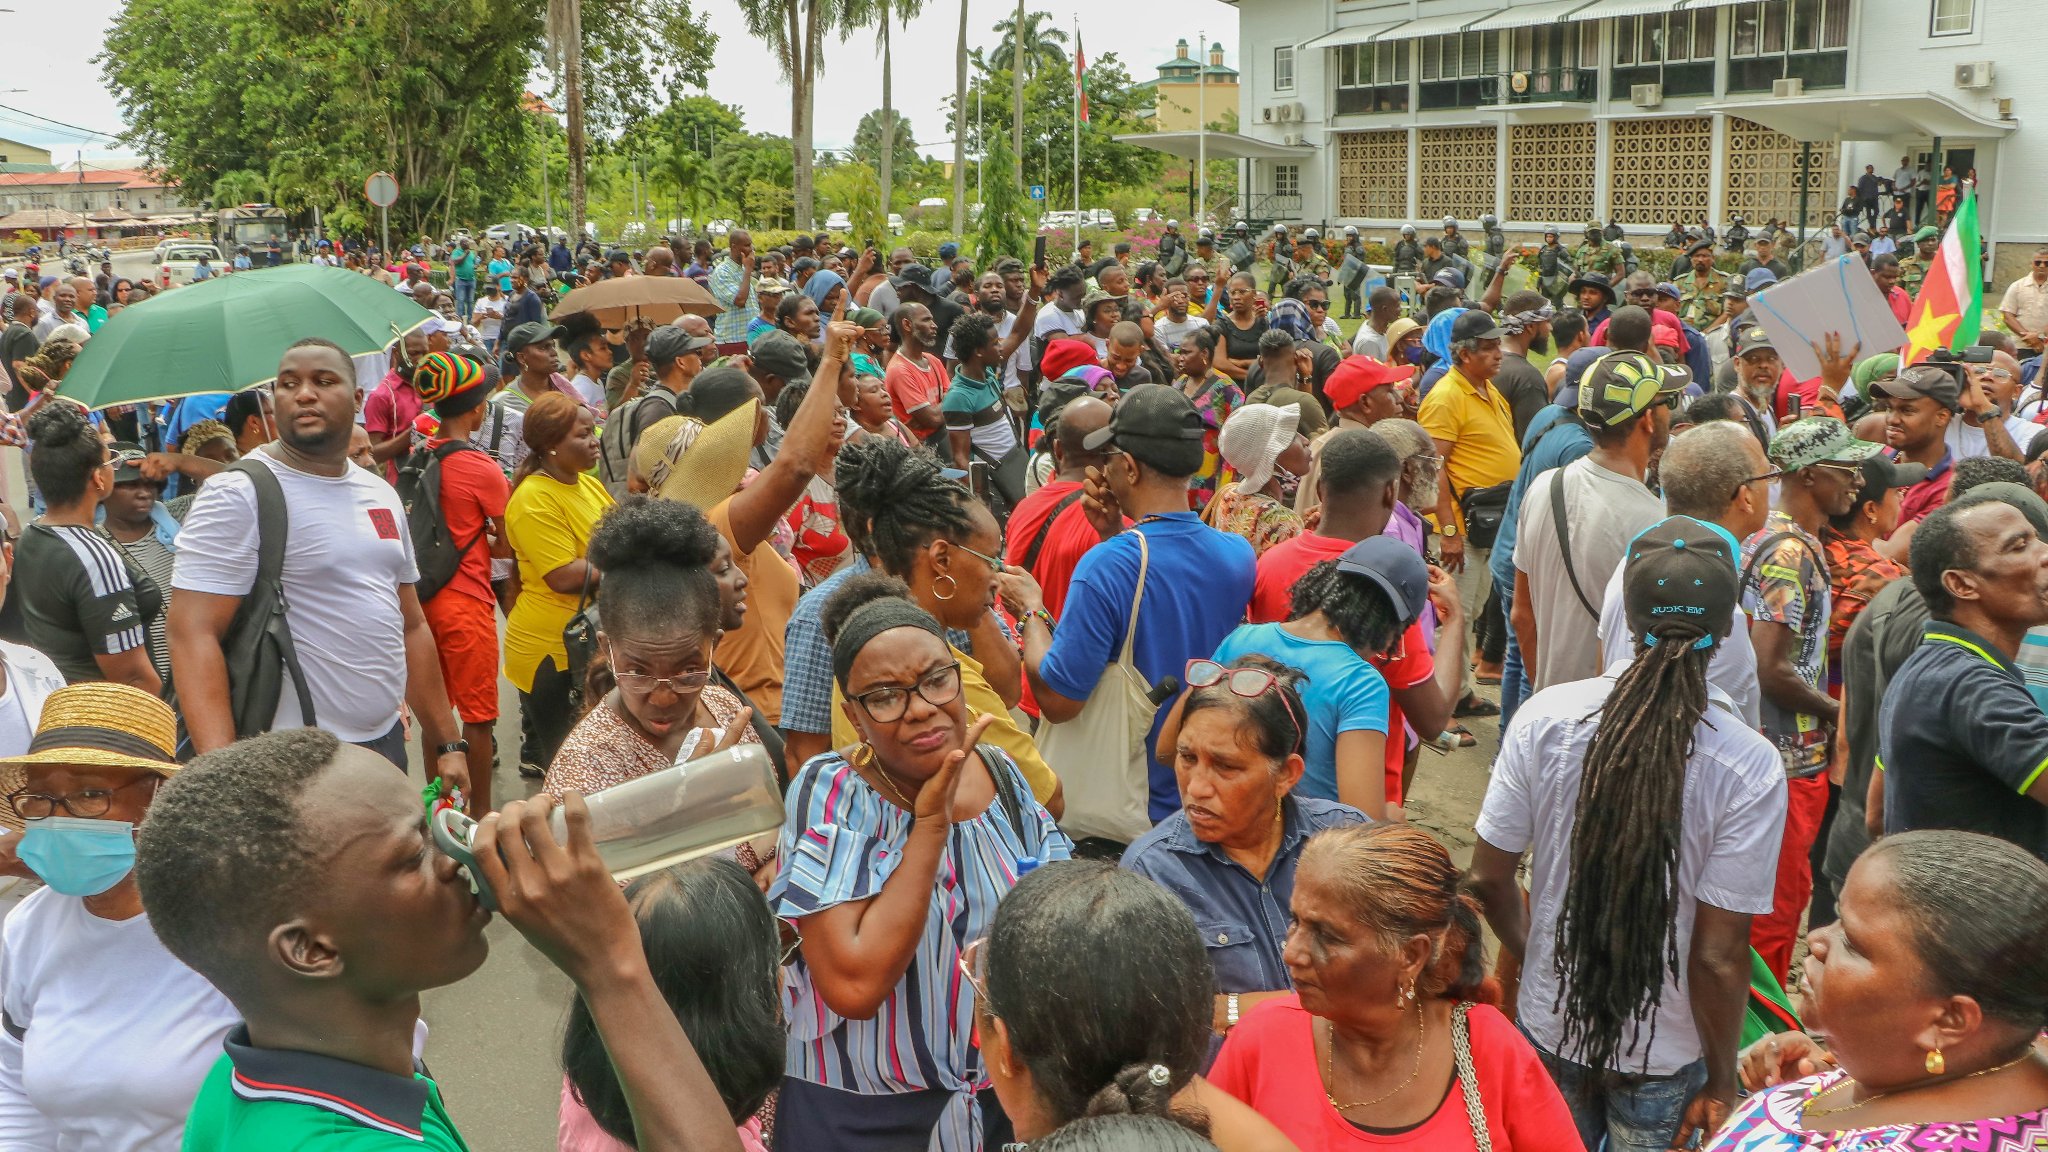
[1646,95]
[1976,75]
[1294,140]
[2005,107]
[1268,114]
[1788,88]
[1288,113]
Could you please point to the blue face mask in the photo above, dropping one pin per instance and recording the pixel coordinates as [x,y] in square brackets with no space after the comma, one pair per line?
[79,857]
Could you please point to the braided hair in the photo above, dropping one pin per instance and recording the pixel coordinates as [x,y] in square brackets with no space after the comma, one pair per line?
[1618,936]
[894,501]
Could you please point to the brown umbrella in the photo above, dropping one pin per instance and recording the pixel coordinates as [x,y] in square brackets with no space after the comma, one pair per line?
[655,299]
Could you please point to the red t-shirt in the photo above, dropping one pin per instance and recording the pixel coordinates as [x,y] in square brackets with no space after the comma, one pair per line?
[913,385]
[473,491]
[1406,665]
[1931,493]
[1282,567]
[1070,536]
[1269,1062]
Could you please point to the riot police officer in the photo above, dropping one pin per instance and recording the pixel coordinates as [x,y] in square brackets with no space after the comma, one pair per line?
[1407,252]
[1738,235]
[1553,267]
[1353,281]
[1282,268]
[1496,244]
[1454,243]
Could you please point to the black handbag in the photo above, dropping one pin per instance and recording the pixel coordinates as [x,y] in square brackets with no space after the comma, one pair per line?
[1483,509]
[579,641]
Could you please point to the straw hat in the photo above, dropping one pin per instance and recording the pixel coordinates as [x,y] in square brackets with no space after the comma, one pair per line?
[1253,438]
[701,464]
[100,724]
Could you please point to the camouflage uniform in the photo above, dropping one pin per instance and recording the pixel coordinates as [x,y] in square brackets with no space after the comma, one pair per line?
[1912,273]
[1699,297]
[1591,257]
[1316,266]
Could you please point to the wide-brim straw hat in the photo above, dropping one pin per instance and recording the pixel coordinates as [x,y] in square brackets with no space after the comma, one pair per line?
[99,724]
[683,458]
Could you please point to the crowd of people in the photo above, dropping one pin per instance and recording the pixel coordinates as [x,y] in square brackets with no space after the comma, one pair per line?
[1099,621]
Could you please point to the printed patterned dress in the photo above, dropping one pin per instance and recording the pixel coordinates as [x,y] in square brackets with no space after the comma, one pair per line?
[1769,1122]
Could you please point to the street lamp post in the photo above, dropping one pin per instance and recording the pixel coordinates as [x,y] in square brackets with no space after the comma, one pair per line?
[1202,129]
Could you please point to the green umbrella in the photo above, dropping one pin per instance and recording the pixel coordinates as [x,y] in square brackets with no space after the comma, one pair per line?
[228,333]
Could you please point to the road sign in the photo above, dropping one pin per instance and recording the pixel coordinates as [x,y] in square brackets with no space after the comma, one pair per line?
[1038,191]
[381,189]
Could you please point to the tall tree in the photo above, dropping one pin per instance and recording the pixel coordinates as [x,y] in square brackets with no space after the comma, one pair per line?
[565,52]
[794,31]
[1003,231]
[885,12]
[1042,47]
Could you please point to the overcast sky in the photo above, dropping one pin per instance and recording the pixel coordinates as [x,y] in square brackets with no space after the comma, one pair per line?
[61,82]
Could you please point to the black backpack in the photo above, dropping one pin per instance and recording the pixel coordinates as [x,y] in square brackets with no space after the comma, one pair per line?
[419,490]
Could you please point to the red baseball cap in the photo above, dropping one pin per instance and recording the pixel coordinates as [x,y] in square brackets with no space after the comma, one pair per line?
[1063,355]
[1358,375]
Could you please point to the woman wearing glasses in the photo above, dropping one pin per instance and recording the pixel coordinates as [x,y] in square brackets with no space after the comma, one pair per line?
[895,854]
[661,608]
[943,544]
[1236,739]
[107,1036]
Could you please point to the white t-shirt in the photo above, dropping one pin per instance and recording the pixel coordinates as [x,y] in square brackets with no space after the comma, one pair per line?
[1732,670]
[1171,332]
[591,392]
[1967,440]
[1732,819]
[1369,342]
[117,1034]
[1052,319]
[489,315]
[1605,511]
[349,551]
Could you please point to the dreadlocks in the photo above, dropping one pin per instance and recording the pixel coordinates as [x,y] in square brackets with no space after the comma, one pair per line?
[1618,935]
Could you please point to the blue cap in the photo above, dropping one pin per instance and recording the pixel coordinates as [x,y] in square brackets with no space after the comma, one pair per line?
[1574,371]
[948,250]
[1759,279]
[1396,567]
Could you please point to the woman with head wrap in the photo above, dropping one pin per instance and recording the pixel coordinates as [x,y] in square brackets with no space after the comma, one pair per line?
[871,349]
[896,852]
[1260,443]
[826,288]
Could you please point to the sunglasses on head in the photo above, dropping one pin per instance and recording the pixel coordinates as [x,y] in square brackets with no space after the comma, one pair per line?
[1244,683]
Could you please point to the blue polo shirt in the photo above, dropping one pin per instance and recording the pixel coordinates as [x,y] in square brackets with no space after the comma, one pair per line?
[1243,921]
[1197,585]
[1960,741]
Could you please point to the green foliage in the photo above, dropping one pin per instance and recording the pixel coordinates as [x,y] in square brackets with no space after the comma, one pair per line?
[311,96]
[1003,230]
[1113,105]
[240,187]
[854,189]
[695,123]
[766,202]
[867,143]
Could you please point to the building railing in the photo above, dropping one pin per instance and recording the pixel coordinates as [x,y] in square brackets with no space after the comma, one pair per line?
[1537,85]
[1265,207]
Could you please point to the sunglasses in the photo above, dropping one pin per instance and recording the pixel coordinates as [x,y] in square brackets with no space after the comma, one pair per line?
[1324,305]
[1243,683]
[1853,470]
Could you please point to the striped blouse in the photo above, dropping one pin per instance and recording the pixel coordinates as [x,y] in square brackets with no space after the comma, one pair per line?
[841,843]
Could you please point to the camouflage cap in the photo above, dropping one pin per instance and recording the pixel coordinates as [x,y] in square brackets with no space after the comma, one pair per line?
[1818,440]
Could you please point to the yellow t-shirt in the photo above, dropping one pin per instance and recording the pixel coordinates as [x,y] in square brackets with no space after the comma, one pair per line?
[1004,733]
[752,656]
[1482,428]
[548,523]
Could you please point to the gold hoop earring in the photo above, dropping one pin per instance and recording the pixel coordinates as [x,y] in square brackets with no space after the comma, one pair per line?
[1936,1063]
[952,586]
[863,755]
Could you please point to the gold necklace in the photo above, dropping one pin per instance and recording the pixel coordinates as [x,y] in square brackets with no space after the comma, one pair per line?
[886,779]
[1330,1078]
[1809,1110]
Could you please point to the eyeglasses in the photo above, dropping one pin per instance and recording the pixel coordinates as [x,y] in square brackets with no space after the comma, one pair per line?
[1855,470]
[994,562]
[1244,683]
[970,963]
[1761,477]
[88,804]
[1324,305]
[796,942]
[887,704]
[640,684]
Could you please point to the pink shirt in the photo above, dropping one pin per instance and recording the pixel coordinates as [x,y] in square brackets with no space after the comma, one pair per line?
[575,1131]
[391,408]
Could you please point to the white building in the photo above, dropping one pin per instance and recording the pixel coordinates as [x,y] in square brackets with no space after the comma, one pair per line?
[1554,112]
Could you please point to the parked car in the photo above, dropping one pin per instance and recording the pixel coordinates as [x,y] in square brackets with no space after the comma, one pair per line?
[634,232]
[839,222]
[681,226]
[718,228]
[932,202]
[511,232]
[178,259]
[896,223]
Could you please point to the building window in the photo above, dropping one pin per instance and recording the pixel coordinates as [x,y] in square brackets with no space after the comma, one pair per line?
[1372,78]
[1286,179]
[1774,39]
[1953,17]
[1283,69]
[1460,56]
[1665,38]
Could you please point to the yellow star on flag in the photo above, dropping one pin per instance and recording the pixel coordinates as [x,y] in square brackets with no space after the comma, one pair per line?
[1928,333]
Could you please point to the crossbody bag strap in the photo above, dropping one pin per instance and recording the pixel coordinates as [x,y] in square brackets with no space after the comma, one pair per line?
[1137,594]
[1029,561]
[1564,540]
[273,527]
[1468,1077]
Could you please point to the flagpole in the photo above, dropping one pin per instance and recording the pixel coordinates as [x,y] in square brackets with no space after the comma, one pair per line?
[1080,94]
[1202,131]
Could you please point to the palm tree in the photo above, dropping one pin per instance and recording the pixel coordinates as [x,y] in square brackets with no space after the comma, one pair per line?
[884,11]
[565,52]
[960,126]
[240,186]
[1043,36]
[794,31]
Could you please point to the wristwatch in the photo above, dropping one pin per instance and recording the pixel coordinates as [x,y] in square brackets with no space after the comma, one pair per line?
[1447,530]
[461,746]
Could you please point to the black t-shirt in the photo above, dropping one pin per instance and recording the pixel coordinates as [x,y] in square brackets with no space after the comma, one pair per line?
[1241,344]
[18,342]
[79,597]
[1961,741]
[944,312]
[1524,388]
[1776,266]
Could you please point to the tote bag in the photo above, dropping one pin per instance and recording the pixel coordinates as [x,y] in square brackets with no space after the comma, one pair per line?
[1100,754]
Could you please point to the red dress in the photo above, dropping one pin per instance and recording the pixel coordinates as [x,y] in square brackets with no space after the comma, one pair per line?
[1269,1062]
